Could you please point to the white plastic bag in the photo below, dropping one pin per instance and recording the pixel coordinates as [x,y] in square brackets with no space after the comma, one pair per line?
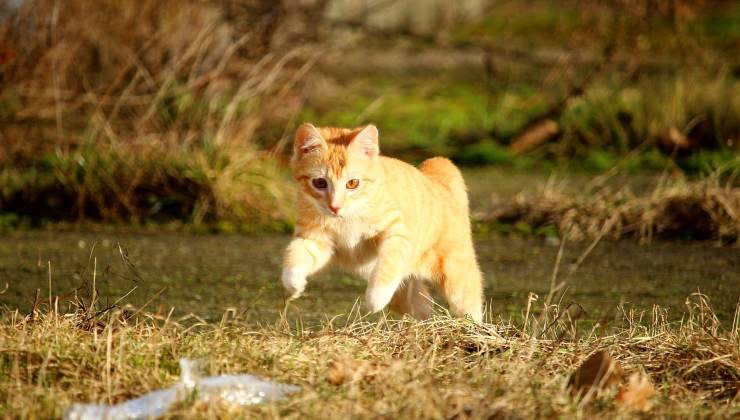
[236,389]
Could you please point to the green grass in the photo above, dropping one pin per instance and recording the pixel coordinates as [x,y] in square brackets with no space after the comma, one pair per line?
[194,185]
[539,23]
[461,118]
[412,113]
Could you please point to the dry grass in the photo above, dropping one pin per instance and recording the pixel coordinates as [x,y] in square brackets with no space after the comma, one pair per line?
[440,368]
[132,111]
[675,209]
[154,111]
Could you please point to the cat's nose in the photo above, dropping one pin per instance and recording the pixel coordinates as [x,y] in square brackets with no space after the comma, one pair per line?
[333,209]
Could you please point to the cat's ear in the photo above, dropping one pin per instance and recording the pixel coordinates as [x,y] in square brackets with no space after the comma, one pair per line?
[366,141]
[307,139]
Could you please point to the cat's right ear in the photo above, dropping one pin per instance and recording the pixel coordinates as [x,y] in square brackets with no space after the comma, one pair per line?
[307,140]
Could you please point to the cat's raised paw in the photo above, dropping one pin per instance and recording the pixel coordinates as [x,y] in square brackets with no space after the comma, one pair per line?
[294,281]
[377,297]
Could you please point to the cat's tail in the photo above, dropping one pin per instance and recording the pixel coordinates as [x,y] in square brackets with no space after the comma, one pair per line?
[443,172]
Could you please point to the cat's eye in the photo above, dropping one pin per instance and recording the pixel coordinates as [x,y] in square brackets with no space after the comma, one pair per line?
[353,183]
[319,183]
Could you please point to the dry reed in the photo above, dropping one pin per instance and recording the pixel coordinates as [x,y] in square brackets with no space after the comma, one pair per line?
[706,209]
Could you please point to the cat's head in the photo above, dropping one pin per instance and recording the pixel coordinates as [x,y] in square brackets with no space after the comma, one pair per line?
[337,169]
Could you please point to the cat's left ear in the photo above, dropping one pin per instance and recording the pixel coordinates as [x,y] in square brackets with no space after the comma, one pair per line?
[307,140]
[366,141]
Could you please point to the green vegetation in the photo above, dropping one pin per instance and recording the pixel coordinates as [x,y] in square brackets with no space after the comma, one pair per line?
[657,85]
[154,184]
[154,123]
[420,114]
[430,116]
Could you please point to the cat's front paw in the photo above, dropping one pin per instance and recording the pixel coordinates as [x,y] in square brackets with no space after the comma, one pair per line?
[378,296]
[294,281]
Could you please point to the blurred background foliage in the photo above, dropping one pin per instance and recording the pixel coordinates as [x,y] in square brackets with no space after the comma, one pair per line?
[158,110]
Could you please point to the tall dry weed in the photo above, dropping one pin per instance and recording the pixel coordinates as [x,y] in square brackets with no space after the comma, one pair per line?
[130,107]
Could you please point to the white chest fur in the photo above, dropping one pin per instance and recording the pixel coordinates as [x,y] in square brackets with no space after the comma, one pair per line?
[355,245]
[350,233]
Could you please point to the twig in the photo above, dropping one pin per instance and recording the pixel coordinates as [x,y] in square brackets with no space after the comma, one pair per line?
[555,271]
[560,315]
[156,295]
[127,262]
[114,305]
[50,292]
[35,304]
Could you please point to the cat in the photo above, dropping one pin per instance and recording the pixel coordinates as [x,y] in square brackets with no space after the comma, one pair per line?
[398,226]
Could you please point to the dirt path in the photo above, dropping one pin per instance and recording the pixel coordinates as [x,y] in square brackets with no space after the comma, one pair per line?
[206,274]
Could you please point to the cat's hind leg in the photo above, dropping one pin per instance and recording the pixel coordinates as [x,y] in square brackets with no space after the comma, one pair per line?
[412,298]
[461,283]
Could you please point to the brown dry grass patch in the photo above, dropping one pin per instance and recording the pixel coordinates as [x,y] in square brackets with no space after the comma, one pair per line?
[144,110]
[397,368]
[705,209]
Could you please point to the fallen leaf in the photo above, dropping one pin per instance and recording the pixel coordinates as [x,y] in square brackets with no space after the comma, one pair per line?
[637,394]
[7,55]
[599,372]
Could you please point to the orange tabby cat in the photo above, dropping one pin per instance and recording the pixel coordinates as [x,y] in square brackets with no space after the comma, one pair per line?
[385,220]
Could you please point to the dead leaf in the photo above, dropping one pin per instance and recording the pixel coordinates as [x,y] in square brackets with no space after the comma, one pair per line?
[353,370]
[599,371]
[6,56]
[637,394]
